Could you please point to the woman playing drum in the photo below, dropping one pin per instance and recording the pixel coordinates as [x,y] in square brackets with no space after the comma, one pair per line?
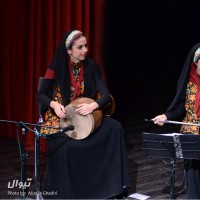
[94,167]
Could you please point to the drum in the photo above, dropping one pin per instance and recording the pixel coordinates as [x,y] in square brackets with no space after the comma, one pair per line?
[84,125]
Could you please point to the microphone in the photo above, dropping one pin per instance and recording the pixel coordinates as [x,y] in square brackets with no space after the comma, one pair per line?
[67,128]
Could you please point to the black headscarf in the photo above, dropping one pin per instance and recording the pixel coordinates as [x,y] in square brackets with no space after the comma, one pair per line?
[60,66]
[179,99]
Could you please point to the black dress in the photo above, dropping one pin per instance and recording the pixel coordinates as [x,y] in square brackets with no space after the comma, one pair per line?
[177,109]
[91,168]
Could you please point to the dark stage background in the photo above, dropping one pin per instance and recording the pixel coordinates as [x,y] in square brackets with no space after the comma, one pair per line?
[146,45]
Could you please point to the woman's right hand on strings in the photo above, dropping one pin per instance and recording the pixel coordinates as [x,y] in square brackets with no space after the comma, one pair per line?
[58,108]
[159,118]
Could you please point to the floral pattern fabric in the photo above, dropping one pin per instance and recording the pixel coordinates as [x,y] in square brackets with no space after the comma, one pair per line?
[51,119]
[190,117]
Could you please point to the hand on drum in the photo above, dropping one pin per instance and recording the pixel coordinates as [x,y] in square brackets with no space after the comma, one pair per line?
[159,118]
[58,108]
[86,108]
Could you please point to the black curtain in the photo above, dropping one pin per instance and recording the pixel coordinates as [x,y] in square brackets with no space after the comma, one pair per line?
[146,45]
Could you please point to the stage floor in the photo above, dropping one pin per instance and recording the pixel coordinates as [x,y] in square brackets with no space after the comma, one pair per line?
[150,176]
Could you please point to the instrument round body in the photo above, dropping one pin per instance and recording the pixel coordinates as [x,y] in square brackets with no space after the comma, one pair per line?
[84,125]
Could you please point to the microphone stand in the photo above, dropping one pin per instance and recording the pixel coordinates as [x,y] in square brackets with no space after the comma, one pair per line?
[37,153]
[23,154]
[37,165]
[23,160]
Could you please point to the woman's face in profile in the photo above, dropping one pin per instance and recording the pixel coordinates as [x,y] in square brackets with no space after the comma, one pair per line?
[78,50]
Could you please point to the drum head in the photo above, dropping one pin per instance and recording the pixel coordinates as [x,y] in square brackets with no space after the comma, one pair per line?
[83,124]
